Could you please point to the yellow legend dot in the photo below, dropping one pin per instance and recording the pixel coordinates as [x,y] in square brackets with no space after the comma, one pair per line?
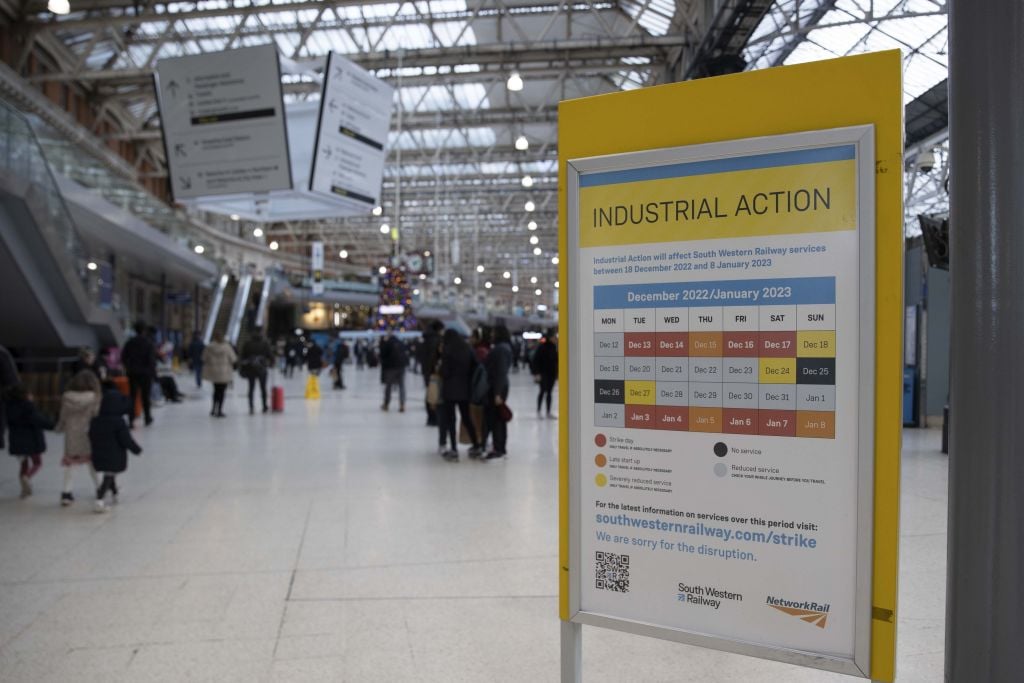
[600,460]
[601,480]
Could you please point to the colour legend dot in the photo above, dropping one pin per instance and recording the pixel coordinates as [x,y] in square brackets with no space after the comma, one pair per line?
[720,469]
[600,460]
[601,480]
[721,449]
[601,440]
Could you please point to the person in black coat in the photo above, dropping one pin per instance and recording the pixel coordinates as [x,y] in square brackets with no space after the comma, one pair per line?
[393,361]
[139,360]
[545,369]
[8,379]
[257,358]
[457,364]
[27,441]
[111,441]
[428,357]
[498,364]
[314,358]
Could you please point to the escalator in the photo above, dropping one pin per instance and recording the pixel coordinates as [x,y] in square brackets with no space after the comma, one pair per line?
[51,290]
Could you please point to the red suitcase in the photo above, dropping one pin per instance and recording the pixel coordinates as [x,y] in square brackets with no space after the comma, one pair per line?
[277,399]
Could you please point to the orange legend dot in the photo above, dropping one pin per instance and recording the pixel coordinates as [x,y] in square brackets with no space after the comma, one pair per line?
[600,440]
[600,460]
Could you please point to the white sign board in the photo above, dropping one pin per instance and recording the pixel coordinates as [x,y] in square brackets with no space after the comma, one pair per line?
[351,139]
[721,405]
[223,122]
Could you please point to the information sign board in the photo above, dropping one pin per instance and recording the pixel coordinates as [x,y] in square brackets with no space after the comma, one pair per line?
[316,262]
[352,134]
[730,460]
[723,448]
[223,122]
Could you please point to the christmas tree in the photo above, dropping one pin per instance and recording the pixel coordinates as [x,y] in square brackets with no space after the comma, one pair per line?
[395,291]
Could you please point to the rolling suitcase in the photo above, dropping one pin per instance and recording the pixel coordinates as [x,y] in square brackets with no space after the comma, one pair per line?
[276,395]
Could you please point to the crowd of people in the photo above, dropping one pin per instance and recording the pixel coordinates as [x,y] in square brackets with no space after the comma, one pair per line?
[466,381]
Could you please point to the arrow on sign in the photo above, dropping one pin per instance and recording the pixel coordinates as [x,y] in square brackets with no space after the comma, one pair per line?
[179,150]
[173,87]
[186,182]
[332,105]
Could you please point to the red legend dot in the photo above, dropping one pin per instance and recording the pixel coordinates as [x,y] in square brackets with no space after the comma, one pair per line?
[600,440]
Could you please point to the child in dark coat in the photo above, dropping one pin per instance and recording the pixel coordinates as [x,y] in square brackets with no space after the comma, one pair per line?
[25,426]
[111,441]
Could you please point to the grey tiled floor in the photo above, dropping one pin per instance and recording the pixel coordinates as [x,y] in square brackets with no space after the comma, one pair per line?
[331,543]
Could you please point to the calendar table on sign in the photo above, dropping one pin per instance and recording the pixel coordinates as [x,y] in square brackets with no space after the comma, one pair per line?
[733,356]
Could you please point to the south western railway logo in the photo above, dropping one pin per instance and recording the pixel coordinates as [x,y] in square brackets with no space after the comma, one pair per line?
[811,612]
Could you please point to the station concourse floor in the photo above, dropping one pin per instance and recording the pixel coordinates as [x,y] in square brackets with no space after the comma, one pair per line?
[331,543]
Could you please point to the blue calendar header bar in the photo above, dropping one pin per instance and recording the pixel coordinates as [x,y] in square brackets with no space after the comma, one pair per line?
[766,292]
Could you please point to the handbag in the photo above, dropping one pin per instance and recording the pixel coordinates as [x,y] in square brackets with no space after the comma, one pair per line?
[434,391]
[504,413]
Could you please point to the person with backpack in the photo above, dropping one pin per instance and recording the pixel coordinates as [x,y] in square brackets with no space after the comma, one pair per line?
[111,440]
[457,365]
[27,442]
[393,361]
[257,357]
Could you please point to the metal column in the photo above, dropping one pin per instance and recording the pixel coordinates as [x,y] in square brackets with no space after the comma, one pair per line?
[985,584]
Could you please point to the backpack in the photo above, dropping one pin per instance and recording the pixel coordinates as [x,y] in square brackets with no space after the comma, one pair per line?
[479,386]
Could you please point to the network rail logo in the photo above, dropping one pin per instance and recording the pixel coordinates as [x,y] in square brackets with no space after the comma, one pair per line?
[812,612]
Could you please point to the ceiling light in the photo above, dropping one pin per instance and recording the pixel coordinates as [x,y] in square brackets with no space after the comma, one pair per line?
[506,275]
[538,292]
[423,276]
[64,7]
[377,210]
[382,270]
[385,228]
[533,280]
[427,253]
[415,292]
[556,284]
[534,239]
[257,232]
[488,284]
[235,216]
[515,288]
[274,245]
[480,269]
[554,260]
[457,280]
[199,249]
[522,144]
[529,205]
[537,251]
[343,253]
[514,82]
[532,225]
[91,265]
[527,181]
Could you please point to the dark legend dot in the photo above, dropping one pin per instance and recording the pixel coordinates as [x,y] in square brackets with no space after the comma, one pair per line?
[721,449]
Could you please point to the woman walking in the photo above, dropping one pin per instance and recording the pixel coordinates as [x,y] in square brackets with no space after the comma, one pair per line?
[218,367]
[498,364]
[79,404]
[457,364]
[545,371]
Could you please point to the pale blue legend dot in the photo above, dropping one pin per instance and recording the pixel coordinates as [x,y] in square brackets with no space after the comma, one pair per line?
[720,469]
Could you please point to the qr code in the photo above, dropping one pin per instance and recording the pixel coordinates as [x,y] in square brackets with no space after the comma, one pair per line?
[612,572]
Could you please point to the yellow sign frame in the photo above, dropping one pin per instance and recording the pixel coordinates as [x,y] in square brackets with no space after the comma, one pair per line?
[851,91]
